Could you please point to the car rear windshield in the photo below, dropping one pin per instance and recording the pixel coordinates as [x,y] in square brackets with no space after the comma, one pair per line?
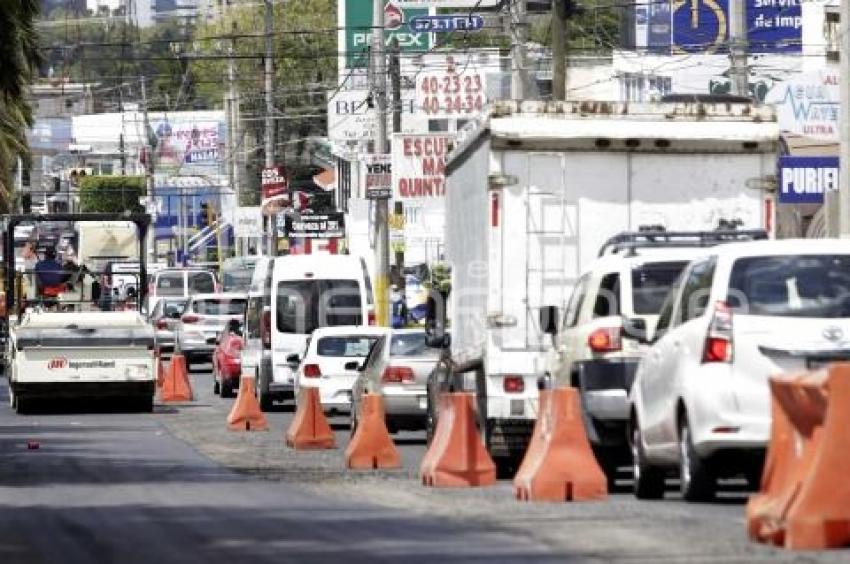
[344,346]
[201,282]
[219,307]
[791,286]
[305,305]
[650,283]
[170,308]
[170,284]
[411,344]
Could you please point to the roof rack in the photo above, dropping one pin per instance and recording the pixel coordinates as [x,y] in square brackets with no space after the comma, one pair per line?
[630,241]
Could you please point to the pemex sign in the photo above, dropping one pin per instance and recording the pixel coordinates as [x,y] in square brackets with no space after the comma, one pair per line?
[357,23]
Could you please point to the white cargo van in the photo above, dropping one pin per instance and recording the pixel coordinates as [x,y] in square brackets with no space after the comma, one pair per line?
[312,291]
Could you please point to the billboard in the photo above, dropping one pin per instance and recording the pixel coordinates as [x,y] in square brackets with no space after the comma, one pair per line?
[314,226]
[804,180]
[702,26]
[419,166]
[187,143]
[356,21]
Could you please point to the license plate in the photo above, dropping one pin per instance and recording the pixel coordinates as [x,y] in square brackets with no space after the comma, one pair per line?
[423,402]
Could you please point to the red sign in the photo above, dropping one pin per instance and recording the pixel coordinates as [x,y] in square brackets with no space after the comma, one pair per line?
[273,182]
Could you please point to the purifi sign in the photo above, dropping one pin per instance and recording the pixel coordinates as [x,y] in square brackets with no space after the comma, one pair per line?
[804,180]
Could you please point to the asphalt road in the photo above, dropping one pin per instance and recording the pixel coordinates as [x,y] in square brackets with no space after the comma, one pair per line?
[176,486]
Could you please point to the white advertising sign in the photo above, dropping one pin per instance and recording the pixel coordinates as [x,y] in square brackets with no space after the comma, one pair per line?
[378,176]
[248,221]
[419,166]
[351,119]
[453,91]
[809,104]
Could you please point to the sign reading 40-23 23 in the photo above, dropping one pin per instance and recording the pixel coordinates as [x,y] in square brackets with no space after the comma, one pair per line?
[450,92]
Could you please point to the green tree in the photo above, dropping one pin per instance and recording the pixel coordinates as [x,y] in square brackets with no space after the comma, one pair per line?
[19,57]
[111,194]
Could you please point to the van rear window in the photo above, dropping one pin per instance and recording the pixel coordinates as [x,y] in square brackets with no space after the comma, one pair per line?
[170,284]
[305,305]
[220,307]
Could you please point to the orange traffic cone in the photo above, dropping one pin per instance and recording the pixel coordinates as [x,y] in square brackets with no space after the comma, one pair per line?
[176,386]
[309,428]
[246,414]
[371,447]
[559,464]
[457,457]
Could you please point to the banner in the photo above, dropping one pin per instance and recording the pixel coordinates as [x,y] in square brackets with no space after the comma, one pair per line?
[809,104]
[248,221]
[180,143]
[419,166]
[314,226]
[804,180]
[273,182]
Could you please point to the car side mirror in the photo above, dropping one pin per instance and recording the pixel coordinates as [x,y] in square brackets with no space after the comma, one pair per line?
[549,316]
[293,360]
[353,365]
[635,328]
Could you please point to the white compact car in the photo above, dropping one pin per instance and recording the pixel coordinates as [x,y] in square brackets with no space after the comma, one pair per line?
[741,313]
[323,363]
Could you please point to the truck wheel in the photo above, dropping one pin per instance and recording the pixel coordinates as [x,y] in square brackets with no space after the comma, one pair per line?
[23,405]
[695,476]
[648,479]
[144,404]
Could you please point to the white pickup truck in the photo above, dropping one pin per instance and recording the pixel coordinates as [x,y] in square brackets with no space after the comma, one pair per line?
[69,348]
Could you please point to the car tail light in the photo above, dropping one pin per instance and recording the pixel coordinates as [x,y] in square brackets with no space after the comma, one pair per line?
[718,341]
[606,339]
[372,319]
[397,375]
[161,324]
[190,318]
[312,371]
[513,384]
[266,329]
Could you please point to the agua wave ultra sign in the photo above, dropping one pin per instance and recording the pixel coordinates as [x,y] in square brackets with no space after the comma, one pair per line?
[804,180]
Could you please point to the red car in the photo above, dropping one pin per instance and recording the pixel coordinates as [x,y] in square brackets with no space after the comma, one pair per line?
[227,359]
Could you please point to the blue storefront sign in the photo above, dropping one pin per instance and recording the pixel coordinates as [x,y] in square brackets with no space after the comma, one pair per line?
[804,180]
[702,26]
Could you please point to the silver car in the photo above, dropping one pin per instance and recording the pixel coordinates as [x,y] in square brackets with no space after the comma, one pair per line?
[398,367]
[164,317]
[204,317]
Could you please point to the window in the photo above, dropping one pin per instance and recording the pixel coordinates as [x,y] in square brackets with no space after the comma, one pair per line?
[170,284]
[574,306]
[791,286]
[219,307]
[305,305]
[201,283]
[170,308]
[608,296]
[697,290]
[665,314]
[650,284]
[411,344]
[345,346]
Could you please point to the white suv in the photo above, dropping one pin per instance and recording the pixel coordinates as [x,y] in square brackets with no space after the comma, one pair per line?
[741,313]
[603,333]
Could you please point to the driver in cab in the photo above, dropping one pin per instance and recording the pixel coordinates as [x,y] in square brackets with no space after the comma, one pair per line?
[50,275]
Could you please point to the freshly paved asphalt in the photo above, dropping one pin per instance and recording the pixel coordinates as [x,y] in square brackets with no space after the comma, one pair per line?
[115,487]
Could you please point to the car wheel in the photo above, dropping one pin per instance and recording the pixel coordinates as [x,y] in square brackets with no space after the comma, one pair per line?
[695,476]
[430,424]
[263,397]
[353,421]
[648,479]
[216,385]
[225,389]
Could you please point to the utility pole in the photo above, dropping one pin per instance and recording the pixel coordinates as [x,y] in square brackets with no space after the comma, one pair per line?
[738,72]
[230,114]
[149,178]
[519,37]
[559,49]
[395,83]
[843,195]
[268,71]
[382,231]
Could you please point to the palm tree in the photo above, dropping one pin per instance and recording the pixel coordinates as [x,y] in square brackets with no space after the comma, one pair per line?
[19,57]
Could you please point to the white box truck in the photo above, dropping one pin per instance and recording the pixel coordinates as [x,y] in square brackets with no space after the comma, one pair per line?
[533,191]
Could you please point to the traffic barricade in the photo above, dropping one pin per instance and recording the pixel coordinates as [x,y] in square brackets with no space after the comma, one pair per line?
[309,429]
[246,415]
[371,447]
[176,386]
[804,502]
[559,464]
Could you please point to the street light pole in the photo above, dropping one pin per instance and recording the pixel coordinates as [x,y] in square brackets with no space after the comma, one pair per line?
[843,195]
[382,233]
